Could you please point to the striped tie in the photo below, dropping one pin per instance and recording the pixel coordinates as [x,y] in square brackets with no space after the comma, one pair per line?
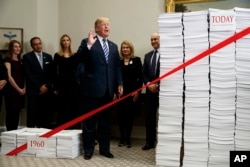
[106,50]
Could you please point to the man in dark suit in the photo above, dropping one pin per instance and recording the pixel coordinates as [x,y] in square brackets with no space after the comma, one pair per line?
[102,80]
[38,71]
[151,72]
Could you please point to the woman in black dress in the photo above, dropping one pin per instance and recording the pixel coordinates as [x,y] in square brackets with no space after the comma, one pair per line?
[15,88]
[65,83]
[132,80]
[3,79]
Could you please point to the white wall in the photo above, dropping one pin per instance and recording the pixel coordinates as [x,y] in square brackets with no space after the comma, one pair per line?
[19,14]
[134,20]
[47,24]
[36,17]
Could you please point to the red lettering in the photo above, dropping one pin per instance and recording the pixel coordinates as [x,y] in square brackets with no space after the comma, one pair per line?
[222,19]
[231,17]
[213,19]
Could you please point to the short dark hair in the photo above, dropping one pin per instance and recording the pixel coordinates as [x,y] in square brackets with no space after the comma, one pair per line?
[32,39]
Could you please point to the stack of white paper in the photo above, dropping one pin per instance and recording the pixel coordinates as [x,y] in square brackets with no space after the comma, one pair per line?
[9,140]
[223,92]
[68,143]
[23,136]
[216,88]
[196,90]
[50,151]
[65,144]
[242,61]
[171,90]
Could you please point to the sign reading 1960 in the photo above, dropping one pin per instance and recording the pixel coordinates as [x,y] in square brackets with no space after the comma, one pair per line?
[36,144]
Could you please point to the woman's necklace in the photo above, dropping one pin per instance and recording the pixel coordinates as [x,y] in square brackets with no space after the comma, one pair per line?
[126,61]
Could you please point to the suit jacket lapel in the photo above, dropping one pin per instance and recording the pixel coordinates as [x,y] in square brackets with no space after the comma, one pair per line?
[36,60]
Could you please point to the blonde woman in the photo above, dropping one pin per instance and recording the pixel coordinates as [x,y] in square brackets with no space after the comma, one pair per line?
[132,80]
[65,83]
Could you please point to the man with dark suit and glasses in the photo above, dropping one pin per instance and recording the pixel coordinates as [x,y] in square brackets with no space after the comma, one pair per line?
[151,71]
[102,82]
[38,71]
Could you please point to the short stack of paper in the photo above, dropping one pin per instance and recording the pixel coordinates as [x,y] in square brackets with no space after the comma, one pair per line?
[223,92]
[65,144]
[9,140]
[242,132]
[196,90]
[22,138]
[50,151]
[171,90]
[68,143]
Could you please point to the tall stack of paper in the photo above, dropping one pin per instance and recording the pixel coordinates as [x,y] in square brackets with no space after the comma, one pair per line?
[9,140]
[196,90]
[171,91]
[68,143]
[216,88]
[242,132]
[223,90]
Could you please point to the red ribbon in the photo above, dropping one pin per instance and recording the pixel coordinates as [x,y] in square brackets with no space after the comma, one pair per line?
[207,52]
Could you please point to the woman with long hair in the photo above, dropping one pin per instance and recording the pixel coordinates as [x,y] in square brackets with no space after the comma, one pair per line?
[65,82]
[15,88]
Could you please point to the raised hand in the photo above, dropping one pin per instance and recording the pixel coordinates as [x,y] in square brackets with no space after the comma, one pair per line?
[91,37]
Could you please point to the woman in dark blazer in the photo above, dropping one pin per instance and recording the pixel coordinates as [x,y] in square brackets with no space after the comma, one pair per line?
[132,80]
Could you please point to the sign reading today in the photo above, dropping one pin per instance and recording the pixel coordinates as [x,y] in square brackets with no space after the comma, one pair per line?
[36,144]
[222,20]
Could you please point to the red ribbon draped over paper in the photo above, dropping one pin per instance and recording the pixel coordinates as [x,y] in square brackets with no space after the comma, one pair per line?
[205,53]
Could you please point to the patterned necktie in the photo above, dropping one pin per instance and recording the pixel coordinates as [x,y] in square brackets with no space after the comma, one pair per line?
[153,62]
[106,50]
[40,58]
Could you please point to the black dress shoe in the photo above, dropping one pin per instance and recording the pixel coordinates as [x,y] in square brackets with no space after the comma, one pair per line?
[148,146]
[108,155]
[121,143]
[129,145]
[87,156]
[128,142]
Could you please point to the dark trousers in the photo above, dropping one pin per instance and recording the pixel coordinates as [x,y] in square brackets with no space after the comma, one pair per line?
[96,126]
[66,106]
[126,114]
[12,118]
[1,100]
[39,110]
[151,107]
